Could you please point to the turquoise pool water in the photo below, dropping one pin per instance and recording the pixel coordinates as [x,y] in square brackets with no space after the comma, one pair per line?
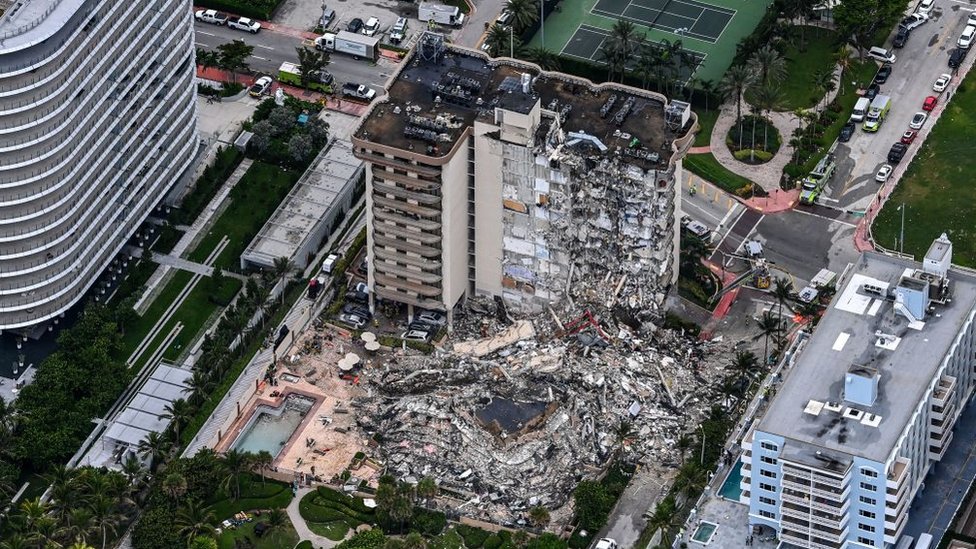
[270,428]
[704,533]
[731,488]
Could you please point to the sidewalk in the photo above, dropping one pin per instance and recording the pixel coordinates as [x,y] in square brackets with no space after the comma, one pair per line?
[304,533]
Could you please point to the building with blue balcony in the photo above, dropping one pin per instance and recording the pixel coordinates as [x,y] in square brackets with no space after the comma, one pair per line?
[868,405]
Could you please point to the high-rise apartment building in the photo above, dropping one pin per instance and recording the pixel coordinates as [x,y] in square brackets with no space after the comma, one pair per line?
[97,122]
[488,176]
[868,406]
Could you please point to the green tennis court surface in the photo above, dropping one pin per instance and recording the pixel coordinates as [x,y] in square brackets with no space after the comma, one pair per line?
[708,30]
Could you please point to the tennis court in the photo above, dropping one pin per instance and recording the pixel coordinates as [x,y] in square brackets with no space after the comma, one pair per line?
[682,17]
[587,42]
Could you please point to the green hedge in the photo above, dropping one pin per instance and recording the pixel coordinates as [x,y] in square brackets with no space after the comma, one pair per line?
[326,505]
[207,185]
[256,9]
[473,537]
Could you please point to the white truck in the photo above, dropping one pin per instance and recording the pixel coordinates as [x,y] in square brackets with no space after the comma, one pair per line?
[213,17]
[877,113]
[349,43]
[440,14]
[358,91]
[244,24]
[860,109]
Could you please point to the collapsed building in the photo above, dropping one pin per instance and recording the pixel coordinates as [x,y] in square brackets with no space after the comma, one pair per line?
[491,177]
[517,418]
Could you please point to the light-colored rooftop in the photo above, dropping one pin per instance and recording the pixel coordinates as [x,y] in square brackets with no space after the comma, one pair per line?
[308,203]
[907,360]
[28,22]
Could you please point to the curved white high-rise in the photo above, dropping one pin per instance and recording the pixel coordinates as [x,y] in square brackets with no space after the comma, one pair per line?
[97,122]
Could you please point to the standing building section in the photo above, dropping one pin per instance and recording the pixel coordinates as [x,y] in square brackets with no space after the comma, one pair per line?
[868,407]
[97,122]
[491,177]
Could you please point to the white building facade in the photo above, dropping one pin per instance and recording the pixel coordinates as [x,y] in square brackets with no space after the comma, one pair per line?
[97,122]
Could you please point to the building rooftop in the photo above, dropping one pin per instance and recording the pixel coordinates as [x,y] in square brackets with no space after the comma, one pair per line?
[863,333]
[24,23]
[435,97]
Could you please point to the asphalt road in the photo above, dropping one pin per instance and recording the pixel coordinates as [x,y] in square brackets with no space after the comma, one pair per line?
[271,49]
[918,65]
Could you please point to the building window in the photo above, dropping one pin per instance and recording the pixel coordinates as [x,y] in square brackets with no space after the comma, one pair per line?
[767,459]
[865,527]
[868,501]
[766,445]
[767,487]
[870,473]
[767,514]
[767,473]
[767,501]
[868,487]
[865,541]
[867,514]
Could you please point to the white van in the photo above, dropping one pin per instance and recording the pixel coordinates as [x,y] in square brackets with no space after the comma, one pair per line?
[860,109]
[926,6]
[966,38]
[881,54]
[329,263]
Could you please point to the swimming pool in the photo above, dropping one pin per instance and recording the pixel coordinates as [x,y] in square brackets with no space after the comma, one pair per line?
[732,487]
[270,428]
[704,533]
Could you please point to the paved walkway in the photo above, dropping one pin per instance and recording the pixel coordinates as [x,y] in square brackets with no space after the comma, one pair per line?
[191,266]
[199,226]
[319,542]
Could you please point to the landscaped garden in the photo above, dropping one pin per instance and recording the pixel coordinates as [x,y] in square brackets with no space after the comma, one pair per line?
[807,61]
[937,187]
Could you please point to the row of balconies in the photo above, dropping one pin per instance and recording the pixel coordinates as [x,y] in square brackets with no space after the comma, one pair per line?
[422,170]
[815,489]
[805,540]
[417,183]
[103,207]
[817,475]
[832,508]
[828,520]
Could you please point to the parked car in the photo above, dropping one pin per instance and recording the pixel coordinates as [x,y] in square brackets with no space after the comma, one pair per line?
[606,543]
[371,27]
[431,317]
[353,321]
[873,90]
[957,56]
[966,38]
[972,19]
[930,103]
[245,24]
[213,17]
[399,30]
[355,26]
[357,297]
[260,86]
[847,132]
[918,120]
[357,309]
[415,335]
[942,82]
[696,228]
[901,37]
[897,152]
[914,21]
[329,263]
[883,73]
[361,287]
[328,16]
[884,172]
[422,326]
[363,267]
[908,136]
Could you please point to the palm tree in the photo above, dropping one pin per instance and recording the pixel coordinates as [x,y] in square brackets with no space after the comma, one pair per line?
[414,541]
[174,485]
[309,63]
[195,519]
[708,88]
[624,430]
[768,325]
[80,545]
[105,517]
[824,82]
[539,516]
[647,63]
[427,489]
[207,59]
[233,56]
[80,524]
[276,521]
[547,59]
[17,541]
[198,385]
[691,479]
[234,464]
[178,412]
[766,98]
[768,65]
[845,60]
[262,461]
[132,469]
[744,363]
[624,35]
[524,13]
[154,447]
[783,292]
[614,58]
[502,41]
[735,82]
[664,519]
[281,269]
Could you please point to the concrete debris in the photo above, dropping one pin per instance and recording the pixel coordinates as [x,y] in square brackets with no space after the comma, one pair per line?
[524,411]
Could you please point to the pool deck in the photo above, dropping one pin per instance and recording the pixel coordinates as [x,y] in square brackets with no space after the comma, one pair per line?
[313,374]
[732,519]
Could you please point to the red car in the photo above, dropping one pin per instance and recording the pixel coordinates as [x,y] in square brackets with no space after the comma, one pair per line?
[930,102]
[908,136]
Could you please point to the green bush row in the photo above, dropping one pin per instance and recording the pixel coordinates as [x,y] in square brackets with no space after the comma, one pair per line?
[746,155]
[207,185]
[256,9]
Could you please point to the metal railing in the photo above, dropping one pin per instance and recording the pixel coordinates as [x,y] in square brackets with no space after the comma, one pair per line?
[31,25]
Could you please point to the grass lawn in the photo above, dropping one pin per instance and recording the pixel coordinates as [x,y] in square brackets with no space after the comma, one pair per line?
[801,66]
[254,495]
[706,121]
[305,545]
[282,539]
[449,539]
[937,188]
[706,167]
[252,202]
[335,530]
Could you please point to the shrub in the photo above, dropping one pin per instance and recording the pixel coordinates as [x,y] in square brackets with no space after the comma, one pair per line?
[257,9]
[473,537]
[747,155]
[428,523]
[493,542]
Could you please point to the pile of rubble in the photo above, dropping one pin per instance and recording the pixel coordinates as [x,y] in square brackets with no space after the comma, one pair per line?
[517,416]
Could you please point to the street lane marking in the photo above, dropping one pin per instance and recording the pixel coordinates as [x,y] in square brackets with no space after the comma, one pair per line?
[206,33]
[265,47]
[826,218]
[702,210]
[261,58]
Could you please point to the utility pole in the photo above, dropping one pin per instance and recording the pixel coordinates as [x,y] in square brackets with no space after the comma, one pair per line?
[901,238]
[511,40]
[701,461]
[542,21]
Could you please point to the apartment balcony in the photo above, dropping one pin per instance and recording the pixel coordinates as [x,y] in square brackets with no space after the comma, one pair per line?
[808,514]
[391,230]
[400,296]
[746,457]
[943,391]
[816,475]
[827,507]
[384,267]
[893,533]
[412,182]
[940,415]
[384,214]
[379,159]
[938,449]
[828,537]
[746,442]
[807,488]
[425,199]
[399,257]
[408,286]
[395,244]
[895,509]
[898,472]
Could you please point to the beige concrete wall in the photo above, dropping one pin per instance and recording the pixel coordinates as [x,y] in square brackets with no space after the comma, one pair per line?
[488,211]
[454,228]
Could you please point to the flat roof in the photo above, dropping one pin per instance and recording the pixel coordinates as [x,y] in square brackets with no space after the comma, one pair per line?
[454,89]
[141,415]
[907,359]
[28,22]
[306,205]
